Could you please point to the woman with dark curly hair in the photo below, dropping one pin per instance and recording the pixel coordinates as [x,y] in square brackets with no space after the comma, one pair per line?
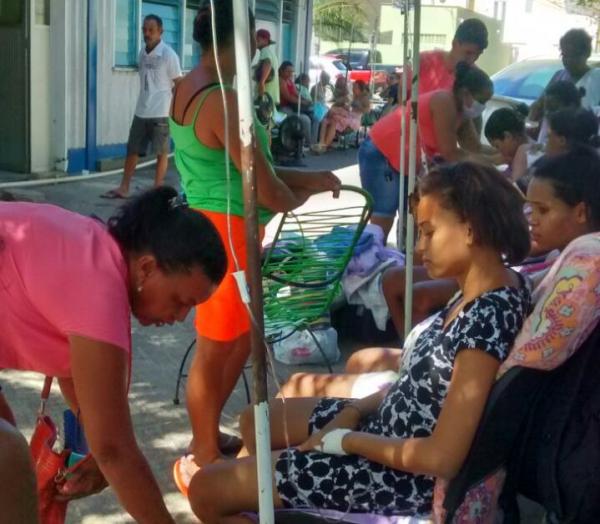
[382,453]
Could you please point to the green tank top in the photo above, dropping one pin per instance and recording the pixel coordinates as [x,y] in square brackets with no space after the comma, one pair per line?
[202,168]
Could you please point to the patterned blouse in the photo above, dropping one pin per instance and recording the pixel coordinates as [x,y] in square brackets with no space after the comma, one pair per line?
[567,310]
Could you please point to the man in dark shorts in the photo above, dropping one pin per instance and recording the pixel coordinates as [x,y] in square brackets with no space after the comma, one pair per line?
[159,71]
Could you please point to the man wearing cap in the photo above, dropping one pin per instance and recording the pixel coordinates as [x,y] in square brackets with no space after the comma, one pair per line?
[268,65]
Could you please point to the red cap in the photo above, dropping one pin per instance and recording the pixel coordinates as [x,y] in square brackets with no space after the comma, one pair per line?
[264,33]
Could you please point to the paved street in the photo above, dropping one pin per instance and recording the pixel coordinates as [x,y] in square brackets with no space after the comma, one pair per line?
[162,428]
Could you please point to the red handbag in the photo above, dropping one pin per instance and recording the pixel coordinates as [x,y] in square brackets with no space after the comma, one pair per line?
[50,466]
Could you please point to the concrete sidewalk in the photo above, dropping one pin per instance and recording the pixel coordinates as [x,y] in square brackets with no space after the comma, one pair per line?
[161,427]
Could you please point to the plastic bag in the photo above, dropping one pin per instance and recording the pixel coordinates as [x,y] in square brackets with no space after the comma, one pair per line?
[320,110]
[300,348]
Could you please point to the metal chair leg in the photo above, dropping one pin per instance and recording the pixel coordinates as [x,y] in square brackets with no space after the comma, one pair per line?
[181,374]
[325,359]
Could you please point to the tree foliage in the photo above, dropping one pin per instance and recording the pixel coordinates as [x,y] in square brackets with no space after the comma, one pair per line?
[341,20]
[585,7]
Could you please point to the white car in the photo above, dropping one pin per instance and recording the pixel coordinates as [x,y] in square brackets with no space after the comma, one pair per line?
[331,65]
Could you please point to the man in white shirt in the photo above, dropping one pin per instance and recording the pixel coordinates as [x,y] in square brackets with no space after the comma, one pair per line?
[159,71]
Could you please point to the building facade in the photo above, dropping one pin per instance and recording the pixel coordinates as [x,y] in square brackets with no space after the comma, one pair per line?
[74,81]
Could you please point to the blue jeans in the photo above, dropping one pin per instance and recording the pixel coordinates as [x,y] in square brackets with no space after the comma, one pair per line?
[380,179]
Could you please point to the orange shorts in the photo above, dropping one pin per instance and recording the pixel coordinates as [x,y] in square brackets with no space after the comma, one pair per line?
[224,317]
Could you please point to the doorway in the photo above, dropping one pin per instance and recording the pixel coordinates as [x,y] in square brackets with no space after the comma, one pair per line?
[14,86]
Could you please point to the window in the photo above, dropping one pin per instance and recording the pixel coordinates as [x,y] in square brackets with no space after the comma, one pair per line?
[525,80]
[191,49]
[11,13]
[126,31]
[268,10]
[177,16]
[168,10]
[42,12]
[288,13]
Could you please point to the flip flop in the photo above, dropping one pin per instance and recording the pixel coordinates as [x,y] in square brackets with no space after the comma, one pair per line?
[181,477]
[113,194]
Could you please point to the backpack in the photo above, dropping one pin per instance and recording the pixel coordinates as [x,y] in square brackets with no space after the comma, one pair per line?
[558,464]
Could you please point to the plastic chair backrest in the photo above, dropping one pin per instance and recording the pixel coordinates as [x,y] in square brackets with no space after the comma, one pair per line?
[510,419]
[303,266]
[501,425]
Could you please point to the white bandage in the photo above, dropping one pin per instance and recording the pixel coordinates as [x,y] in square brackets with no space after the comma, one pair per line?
[332,442]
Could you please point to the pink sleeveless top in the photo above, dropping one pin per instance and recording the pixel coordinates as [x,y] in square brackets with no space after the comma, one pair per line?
[385,134]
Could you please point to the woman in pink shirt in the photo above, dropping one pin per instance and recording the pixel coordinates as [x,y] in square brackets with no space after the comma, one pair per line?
[68,285]
[445,133]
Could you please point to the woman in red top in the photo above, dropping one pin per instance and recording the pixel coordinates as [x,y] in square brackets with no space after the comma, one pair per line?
[445,133]
[289,102]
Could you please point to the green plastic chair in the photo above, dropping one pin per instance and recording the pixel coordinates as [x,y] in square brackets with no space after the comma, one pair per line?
[303,266]
[302,269]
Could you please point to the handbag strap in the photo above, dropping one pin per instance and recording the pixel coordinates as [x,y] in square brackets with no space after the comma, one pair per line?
[45,395]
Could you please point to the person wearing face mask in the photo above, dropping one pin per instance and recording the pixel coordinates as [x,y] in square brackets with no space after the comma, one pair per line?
[445,133]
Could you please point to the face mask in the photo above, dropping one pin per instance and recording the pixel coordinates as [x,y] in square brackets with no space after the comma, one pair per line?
[474,110]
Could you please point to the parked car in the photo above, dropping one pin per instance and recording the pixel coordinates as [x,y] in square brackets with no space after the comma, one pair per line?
[331,65]
[359,63]
[357,59]
[524,82]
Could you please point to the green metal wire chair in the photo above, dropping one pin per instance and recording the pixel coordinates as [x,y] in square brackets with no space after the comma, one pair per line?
[303,267]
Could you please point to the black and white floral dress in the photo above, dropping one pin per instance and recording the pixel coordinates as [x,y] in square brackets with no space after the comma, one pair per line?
[411,408]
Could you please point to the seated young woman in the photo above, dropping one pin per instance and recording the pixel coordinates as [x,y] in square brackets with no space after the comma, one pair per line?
[382,453]
[568,128]
[567,309]
[505,130]
[344,116]
[562,208]
[562,94]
